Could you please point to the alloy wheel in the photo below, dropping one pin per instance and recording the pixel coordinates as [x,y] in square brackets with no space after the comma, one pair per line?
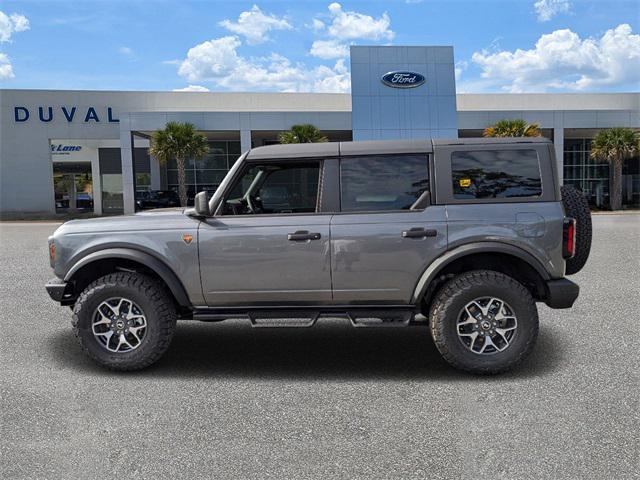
[487,325]
[119,325]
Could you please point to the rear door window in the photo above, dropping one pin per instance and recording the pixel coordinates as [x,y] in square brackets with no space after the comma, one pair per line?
[383,182]
[485,174]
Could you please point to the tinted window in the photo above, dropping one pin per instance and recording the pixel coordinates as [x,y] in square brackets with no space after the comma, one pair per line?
[275,188]
[495,174]
[385,182]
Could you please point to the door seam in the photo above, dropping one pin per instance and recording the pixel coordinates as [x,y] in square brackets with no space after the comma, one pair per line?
[331,257]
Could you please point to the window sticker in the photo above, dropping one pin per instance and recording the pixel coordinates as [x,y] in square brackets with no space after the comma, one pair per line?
[465,182]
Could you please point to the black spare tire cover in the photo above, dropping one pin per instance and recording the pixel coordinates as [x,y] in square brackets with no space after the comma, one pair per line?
[576,206]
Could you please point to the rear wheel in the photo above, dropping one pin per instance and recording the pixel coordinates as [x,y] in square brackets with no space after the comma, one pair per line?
[124,321]
[484,322]
[576,206]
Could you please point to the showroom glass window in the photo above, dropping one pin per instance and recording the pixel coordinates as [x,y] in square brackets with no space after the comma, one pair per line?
[382,182]
[142,169]
[208,172]
[589,175]
[485,174]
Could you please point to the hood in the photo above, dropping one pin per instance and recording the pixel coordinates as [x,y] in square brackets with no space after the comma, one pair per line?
[160,219]
[160,211]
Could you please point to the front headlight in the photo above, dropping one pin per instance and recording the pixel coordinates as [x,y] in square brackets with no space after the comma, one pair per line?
[52,252]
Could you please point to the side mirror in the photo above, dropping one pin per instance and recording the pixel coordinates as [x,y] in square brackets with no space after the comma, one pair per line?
[201,204]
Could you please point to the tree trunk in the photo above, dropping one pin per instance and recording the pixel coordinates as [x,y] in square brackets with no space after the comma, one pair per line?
[616,192]
[182,182]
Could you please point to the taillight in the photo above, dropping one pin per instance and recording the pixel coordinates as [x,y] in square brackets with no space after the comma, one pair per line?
[569,238]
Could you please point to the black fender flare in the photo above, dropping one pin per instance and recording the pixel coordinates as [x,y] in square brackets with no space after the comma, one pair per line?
[433,270]
[159,267]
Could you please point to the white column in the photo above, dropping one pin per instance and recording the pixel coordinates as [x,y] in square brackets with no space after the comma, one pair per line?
[154,166]
[245,140]
[558,143]
[97,184]
[126,157]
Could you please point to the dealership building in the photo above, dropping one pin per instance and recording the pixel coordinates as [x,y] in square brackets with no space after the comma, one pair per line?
[87,151]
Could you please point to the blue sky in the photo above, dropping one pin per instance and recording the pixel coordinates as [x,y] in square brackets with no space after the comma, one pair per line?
[500,46]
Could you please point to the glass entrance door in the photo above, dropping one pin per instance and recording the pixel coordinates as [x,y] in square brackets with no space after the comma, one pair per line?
[73,187]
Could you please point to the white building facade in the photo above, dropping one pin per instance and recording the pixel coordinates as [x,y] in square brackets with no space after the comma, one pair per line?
[86,151]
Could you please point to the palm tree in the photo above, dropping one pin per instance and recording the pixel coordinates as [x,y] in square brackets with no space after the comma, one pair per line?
[512,128]
[304,133]
[179,141]
[615,145]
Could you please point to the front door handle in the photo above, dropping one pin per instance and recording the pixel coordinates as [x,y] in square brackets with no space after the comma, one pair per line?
[418,232]
[302,236]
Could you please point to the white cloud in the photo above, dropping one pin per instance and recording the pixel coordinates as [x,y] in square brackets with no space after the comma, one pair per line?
[218,61]
[328,49]
[10,24]
[317,25]
[345,25]
[6,70]
[561,60]
[351,25]
[127,51]
[333,80]
[192,88]
[211,59]
[547,9]
[255,24]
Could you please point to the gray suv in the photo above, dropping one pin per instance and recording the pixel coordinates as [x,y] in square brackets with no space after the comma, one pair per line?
[462,237]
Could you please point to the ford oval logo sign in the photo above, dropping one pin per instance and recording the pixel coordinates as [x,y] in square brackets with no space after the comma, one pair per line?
[401,79]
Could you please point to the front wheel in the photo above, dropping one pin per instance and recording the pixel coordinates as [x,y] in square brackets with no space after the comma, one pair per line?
[484,322]
[125,321]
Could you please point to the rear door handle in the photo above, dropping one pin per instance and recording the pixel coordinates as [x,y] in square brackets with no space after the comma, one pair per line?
[418,232]
[303,235]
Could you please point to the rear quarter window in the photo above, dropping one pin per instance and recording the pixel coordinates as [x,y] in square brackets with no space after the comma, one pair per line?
[486,174]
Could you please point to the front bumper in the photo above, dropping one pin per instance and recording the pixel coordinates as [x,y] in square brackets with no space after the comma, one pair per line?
[561,293]
[60,291]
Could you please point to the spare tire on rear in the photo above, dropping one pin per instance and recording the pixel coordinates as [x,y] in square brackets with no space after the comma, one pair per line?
[576,206]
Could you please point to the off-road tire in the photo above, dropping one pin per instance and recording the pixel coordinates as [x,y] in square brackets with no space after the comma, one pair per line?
[576,206]
[464,288]
[157,304]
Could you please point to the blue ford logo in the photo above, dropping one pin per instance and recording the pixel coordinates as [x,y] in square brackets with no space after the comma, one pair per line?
[401,79]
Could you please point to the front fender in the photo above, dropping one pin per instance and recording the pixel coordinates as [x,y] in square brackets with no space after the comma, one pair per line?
[149,261]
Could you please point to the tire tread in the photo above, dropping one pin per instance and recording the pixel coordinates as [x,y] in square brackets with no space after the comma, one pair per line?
[458,286]
[576,206]
[164,315]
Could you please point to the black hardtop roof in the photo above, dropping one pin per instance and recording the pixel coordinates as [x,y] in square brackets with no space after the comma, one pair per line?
[375,147]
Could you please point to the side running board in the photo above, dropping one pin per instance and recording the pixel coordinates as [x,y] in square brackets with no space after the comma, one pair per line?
[368,316]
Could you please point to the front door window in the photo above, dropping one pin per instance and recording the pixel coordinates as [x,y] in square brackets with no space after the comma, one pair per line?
[275,188]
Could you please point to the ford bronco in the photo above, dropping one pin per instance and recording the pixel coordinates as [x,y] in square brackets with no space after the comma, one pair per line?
[462,237]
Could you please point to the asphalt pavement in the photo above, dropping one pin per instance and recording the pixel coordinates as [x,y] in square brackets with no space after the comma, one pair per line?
[229,401]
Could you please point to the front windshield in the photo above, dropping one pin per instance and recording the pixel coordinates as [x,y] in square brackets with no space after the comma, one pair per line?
[215,200]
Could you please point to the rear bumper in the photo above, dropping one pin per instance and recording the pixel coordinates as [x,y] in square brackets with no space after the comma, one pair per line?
[561,293]
[60,291]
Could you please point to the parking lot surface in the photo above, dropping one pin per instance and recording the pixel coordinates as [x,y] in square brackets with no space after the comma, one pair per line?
[229,401]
